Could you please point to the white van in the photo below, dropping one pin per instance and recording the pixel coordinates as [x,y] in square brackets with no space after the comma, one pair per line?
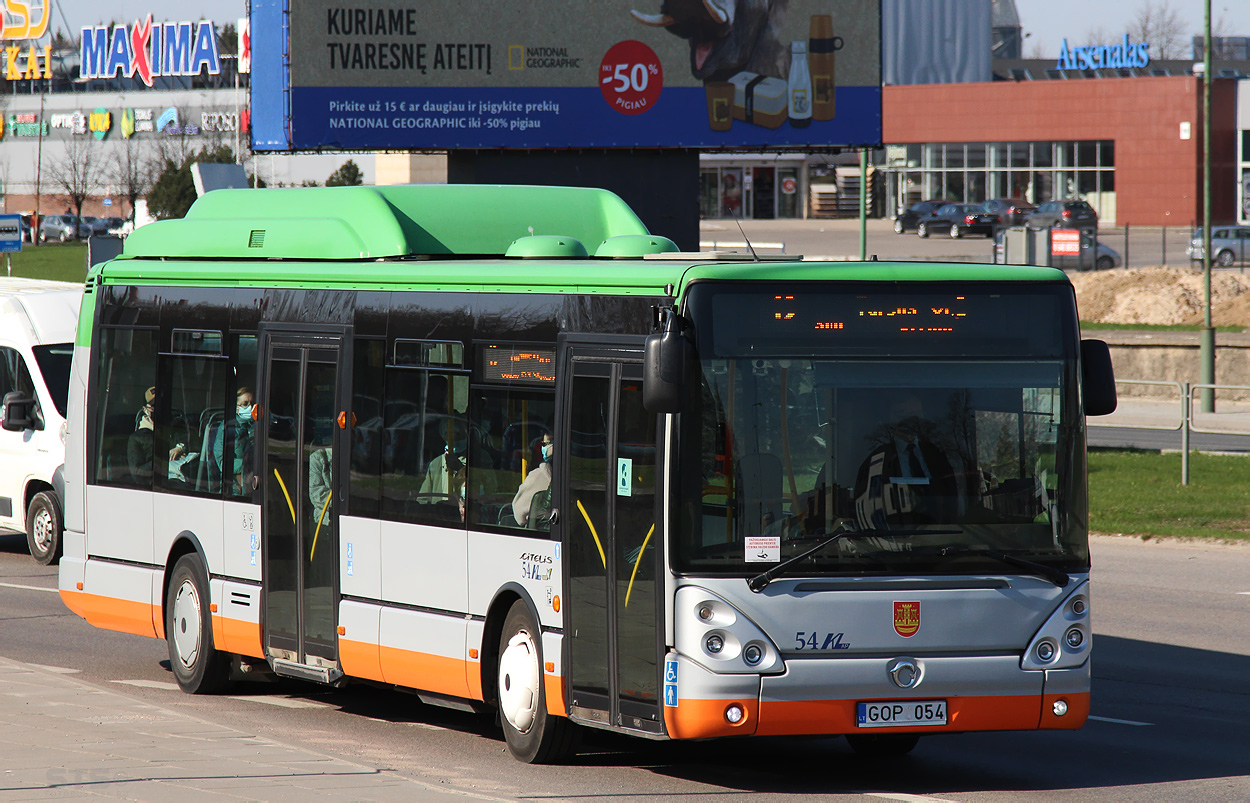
[38,320]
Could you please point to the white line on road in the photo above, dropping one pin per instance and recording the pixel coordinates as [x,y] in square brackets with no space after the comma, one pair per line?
[281,702]
[1244,593]
[31,588]
[912,798]
[1121,721]
[149,684]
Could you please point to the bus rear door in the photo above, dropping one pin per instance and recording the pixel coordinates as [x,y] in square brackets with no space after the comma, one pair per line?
[301,433]
[607,479]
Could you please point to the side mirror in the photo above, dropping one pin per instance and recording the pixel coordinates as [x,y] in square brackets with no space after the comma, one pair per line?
[1097,378]
[19,412]
[666,362]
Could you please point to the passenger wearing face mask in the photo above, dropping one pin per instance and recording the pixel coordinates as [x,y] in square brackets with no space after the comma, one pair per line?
[535,482]
[243,428]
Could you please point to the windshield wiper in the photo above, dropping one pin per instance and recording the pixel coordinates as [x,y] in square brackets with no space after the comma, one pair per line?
[1056,576]
[760,581]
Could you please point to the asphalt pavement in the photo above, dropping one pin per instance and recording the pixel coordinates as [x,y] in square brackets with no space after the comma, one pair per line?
[61,738]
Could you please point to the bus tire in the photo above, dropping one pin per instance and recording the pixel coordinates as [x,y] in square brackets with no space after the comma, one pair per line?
[882,745]
[533,736]
[43,528]
[197,665]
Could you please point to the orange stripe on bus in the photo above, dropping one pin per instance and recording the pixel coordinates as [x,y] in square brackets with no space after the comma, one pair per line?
[110,613]
[419,670]
[699,719]
[1078,711]
[553,686]
[238,636]
[1010,712]
[360,659]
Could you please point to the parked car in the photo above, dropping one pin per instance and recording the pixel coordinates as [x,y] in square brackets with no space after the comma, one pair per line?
[906,221]
[958,220]
[98,225]
[1095,254]
[1010,211]
[113,225]
[62,228]
[1230,245]
[1065,214]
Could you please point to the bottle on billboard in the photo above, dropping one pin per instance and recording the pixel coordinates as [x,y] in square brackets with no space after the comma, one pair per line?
[800,87]
[821,46]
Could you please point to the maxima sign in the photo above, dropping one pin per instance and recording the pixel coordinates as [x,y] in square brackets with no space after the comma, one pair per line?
[1094,57]
[147,50]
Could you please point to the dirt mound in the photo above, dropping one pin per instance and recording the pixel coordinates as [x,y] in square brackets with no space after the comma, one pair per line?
[1161,296]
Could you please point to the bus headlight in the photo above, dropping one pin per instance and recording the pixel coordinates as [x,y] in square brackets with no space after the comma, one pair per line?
[719,637]
[1063,641]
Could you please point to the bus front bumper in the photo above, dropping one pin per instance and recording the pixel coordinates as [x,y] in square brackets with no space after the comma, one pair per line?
[821,697]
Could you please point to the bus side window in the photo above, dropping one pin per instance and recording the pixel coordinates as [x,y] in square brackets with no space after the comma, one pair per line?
[128,407]
[509,471]
[197,384]
[368,390]
[422,445]
[232,438]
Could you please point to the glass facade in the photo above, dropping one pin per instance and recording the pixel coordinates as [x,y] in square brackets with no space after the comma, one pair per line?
[978,171]
[759,192]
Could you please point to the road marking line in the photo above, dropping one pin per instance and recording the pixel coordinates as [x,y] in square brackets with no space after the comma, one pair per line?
[31,588]
[149,684]
[281,702]
[1121,721]
[903,796]
[60,670]
[1243,593]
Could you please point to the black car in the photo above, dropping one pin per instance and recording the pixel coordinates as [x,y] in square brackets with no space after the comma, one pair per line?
[958,220]
[1011,211]
[906,221]
[1068,214]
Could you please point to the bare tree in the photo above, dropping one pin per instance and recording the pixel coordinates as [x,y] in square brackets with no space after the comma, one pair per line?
[78,172]
[130,172]
[1161,26]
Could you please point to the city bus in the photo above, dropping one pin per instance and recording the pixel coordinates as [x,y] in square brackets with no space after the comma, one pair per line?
[504,447]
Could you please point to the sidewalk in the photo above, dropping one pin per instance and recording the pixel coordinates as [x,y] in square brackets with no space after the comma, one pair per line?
[1229,417]
[61,738]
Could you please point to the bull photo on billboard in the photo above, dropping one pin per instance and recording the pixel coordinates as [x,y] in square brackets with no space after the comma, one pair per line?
[727,36]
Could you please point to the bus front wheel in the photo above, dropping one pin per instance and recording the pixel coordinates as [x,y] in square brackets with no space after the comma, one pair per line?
[883,745]
[198,667]
[533,736]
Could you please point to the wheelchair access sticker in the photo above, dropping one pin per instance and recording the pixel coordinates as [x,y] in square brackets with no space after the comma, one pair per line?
[670,683]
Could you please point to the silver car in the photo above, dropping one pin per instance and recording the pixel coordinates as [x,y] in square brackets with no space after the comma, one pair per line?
[1230,245]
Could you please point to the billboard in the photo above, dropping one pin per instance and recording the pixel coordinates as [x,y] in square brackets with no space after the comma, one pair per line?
[758,74]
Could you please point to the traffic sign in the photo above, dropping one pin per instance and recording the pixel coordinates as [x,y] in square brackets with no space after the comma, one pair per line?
[10,233]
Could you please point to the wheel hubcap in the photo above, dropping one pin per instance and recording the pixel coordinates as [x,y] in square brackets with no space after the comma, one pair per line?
[518,682]
[187,624]
[42,529]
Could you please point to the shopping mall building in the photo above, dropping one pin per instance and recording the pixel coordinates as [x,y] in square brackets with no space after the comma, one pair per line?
[968,121]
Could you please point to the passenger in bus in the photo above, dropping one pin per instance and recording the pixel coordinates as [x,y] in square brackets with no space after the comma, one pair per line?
[139,446]
[319,482]
[907,479]
[535,483]
[243,427]
[449,477]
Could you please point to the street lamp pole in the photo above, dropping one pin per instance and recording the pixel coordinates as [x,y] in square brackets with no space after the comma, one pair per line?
[1206,344]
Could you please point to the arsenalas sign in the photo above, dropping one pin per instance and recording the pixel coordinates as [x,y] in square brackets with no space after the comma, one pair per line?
[149,50]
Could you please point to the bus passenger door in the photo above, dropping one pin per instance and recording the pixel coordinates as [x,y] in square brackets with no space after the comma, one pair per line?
[607,502]
[302,426]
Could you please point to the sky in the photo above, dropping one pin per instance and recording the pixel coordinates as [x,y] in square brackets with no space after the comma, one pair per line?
[1046,22]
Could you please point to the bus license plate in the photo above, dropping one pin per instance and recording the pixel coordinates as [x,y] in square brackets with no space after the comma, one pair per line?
[900,713]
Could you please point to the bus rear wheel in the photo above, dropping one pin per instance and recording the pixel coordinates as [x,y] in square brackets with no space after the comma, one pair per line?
[533,736]
[883,745]
[198,667]
[43,528]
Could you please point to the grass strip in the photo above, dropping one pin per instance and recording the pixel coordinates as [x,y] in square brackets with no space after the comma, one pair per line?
[1135,492]
[62,262]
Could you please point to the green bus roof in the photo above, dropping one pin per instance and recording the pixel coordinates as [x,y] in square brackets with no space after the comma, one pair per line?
[335,223]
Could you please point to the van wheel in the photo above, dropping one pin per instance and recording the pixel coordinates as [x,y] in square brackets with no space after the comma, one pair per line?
[955,232]
[532,735]
[898,227]
[43,528]
[922,230]
[1105,263]
[1224,259]
[198,667]
[883,745]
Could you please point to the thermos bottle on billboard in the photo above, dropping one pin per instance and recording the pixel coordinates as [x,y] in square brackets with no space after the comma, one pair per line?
[799,90]
[821,46]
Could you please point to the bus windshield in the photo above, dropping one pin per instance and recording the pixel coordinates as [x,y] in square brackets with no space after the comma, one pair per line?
[945,441]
